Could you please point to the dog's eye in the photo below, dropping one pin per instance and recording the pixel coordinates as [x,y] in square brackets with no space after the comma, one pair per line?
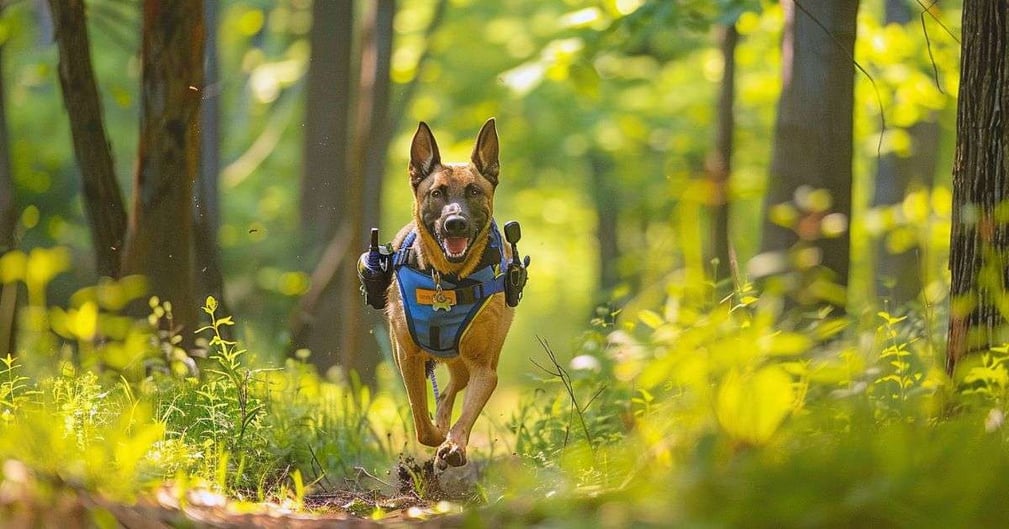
[474,191]
[437,193]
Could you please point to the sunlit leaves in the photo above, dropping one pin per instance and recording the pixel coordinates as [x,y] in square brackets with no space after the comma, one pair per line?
[751,406]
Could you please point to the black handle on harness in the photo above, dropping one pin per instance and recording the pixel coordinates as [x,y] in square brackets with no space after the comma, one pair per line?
[374,271]
[516,275]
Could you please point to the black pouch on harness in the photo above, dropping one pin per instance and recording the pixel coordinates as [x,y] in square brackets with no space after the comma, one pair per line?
[374,270]
[516,275]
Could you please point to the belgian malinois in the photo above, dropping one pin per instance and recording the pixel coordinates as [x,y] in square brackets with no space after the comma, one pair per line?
[449,264]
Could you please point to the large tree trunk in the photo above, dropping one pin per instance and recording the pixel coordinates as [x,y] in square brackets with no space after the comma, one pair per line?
[160,240]
[327,122]
[980,231]
[899,270]
[103,201]
[8,221]
[335,325]
[207,220]
[719,163]
[359,350]
[326,177]
[813,147]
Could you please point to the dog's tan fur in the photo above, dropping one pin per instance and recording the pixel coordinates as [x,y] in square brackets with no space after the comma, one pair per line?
[475,368]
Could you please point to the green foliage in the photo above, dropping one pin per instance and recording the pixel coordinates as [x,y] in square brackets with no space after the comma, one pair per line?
[245,431]
[696,405]
[735,421]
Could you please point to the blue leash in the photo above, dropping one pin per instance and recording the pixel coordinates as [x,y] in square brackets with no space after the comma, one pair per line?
[429,368]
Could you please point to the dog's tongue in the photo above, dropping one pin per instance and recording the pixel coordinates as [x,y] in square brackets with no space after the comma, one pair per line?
[456,245]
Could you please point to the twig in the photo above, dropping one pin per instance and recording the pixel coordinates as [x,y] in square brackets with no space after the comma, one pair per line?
[562,374]
[362,470]
[333,257]
[928,9]
[324,476]
[928,45]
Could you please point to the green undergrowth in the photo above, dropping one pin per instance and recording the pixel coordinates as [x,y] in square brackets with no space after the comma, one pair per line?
[702,411]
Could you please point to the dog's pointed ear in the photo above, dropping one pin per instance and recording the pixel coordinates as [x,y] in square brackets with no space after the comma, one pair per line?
[424,155]
[485,153]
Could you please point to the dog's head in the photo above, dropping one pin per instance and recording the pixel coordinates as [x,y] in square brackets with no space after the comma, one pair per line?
[454,202]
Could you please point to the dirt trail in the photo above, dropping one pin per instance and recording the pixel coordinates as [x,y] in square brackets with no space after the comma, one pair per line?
[420,499]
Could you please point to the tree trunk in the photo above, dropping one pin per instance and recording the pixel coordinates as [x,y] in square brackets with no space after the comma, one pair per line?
[8,222]
[326,175]
[899,273]
[980,232]
[606,198]
[103,201]
[719,163]
[160,240]
[358,348]
[207,219]
[813,148]
[327,121]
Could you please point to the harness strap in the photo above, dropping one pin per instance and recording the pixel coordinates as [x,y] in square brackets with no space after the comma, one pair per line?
[402,255]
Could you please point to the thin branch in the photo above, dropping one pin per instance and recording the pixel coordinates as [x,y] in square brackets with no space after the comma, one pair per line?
[928,9]
[928,44]
[333,257]
[566,380]
[281,117]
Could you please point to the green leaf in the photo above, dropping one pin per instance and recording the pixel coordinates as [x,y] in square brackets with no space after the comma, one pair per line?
[786,344]
[651,319]
[751,406]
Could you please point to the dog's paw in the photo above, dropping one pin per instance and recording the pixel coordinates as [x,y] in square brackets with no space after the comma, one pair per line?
[450,454]
[432,438]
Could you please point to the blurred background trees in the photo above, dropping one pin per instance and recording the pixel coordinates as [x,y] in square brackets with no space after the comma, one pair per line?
[806,235]
[634,148]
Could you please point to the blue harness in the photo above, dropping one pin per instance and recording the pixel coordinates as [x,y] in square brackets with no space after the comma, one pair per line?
[440,309]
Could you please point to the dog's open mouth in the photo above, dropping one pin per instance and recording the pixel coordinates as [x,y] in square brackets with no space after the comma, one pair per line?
[455,247]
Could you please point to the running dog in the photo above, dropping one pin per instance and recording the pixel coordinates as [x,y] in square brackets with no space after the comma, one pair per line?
[446,300]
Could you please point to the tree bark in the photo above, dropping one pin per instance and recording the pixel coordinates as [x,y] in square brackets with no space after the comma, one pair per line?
[327,122]
[980,230]
[8,223]
[719,163]
[8,206]
[606,198]
[160,240]
[359,350]
[207,219]
[326,178]
[103,201]
[813,147]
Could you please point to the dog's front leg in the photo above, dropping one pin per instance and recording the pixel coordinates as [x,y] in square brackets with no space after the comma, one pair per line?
[411,366]
[458,379]
[482,381]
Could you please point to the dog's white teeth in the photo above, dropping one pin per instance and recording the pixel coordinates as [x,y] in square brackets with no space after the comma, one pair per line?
[455,247]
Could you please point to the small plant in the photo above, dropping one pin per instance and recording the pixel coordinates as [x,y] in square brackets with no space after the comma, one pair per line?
[236,378]
[15,390]
[168,340]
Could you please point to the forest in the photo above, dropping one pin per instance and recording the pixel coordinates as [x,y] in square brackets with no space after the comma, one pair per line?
[766,284]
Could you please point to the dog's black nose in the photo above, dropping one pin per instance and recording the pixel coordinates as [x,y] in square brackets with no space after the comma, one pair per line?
[456,225]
